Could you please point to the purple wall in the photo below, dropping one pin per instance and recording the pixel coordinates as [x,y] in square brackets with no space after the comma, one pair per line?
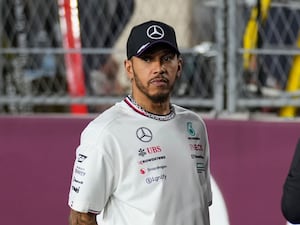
[249,161]
[36,157]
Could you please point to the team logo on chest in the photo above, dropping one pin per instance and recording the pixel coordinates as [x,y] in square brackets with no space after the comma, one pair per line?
[144,134]
[191,131]
[142,152]
[149,150]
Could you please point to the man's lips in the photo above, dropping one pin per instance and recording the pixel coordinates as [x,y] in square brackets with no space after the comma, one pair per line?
[158,81]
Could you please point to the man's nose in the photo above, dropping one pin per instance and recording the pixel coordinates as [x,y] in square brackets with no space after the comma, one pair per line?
[159,66]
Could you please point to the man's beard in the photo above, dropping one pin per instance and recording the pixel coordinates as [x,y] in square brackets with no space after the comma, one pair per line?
[156,98]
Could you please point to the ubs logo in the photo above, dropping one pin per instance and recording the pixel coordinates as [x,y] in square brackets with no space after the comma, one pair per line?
[142,152]
[144,134]
[149,150]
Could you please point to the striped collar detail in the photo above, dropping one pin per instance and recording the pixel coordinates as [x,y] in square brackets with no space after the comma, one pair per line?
[132,104]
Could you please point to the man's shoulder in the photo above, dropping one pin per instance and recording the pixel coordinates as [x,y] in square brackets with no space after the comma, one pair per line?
[104,120]
[110,115]
[187,112]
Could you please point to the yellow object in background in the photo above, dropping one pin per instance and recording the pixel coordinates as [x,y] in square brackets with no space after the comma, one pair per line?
[259,14]
[293,84]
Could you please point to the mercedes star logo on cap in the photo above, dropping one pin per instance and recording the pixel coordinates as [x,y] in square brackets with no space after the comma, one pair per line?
[155,32]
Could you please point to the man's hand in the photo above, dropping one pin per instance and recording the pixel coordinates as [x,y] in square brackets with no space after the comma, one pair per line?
[78,218]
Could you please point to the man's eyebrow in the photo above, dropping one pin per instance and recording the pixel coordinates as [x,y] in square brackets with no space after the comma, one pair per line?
[163,51]
[144,55]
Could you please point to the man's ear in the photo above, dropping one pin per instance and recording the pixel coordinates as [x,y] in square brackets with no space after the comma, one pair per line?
[179,69]
[128,68]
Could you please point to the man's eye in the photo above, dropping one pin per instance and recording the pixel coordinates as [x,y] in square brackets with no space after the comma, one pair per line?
[168,57]
[146,58]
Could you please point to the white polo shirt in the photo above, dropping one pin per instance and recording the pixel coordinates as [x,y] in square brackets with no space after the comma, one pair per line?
[139,169]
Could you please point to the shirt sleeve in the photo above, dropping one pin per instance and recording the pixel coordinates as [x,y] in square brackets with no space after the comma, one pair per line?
[208,188]
[93,179]
[208,176]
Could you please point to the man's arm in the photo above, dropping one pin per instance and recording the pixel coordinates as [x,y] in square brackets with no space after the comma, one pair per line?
[291,190]
[78,218]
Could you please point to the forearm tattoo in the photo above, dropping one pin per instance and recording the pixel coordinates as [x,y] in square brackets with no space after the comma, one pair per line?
[77,218]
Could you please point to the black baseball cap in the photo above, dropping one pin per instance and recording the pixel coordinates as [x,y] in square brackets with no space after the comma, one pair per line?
[148,34]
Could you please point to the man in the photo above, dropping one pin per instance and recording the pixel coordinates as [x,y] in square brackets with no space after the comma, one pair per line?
[144,160]
[290,203]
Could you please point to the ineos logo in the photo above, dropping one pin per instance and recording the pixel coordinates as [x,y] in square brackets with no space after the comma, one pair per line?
[81,158]
[144,134]
[155,32]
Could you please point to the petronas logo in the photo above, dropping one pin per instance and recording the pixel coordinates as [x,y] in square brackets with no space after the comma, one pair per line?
[190,129]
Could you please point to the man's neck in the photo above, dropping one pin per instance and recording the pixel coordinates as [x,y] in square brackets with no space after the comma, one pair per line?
[158,108]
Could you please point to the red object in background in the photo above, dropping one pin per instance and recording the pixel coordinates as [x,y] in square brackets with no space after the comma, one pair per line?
[69,22]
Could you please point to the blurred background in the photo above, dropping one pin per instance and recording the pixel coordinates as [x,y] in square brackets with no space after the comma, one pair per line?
[66,56]
[61,64]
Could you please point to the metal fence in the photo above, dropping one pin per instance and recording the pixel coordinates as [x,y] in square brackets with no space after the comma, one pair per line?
[263,48]
[67,55]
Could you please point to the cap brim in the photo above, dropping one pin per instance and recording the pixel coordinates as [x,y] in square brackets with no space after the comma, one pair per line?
[151,45]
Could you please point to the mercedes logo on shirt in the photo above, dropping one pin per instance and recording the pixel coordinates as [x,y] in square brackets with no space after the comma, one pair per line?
[144,134]
[155,32]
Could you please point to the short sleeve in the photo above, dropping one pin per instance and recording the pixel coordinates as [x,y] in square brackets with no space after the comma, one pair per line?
[208,176]
[92,179]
